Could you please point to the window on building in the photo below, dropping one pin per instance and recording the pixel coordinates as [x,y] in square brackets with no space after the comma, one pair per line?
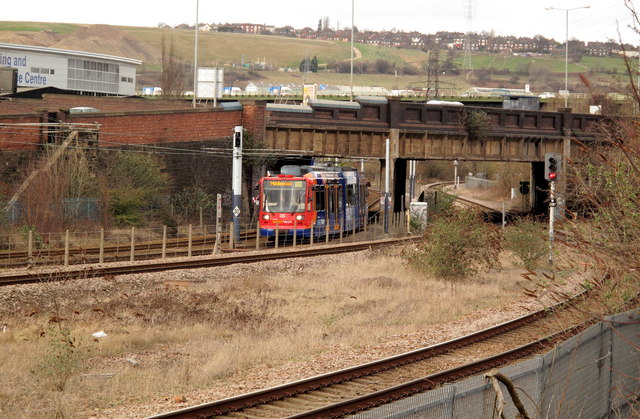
[93,76]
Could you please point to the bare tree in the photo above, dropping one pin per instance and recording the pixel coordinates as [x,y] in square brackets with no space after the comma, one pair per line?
[173,72]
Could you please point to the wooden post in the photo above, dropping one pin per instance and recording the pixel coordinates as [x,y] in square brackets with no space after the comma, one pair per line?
[231,242]
[164,242]
[101,257]
[189,245]
[132,254]
[295,231]
[258,235]
[66,248]
[30,248]
[341,228]
[313,228]
[201,217]
[326,231]
[277,235]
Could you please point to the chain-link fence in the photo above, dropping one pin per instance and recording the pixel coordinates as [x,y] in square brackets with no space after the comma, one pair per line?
[595,374]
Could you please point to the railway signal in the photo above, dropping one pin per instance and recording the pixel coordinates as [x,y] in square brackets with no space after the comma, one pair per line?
[552,164]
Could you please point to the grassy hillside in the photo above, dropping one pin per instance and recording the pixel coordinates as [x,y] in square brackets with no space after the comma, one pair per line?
[62,28]
[544,73]
[229,48]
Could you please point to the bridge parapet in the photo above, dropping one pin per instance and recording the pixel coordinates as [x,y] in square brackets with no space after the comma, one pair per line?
[422,130]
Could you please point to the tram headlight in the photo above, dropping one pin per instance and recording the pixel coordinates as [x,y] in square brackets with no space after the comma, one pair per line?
[266,217]
[299,217]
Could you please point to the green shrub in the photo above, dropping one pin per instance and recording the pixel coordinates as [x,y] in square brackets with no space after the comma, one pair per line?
[478,125]
[135,184]
[188,202]
[526,239]
[458,246]
[63,358]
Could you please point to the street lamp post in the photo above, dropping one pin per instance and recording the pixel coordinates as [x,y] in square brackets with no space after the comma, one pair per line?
[195,57]
[352,23]
[566,48]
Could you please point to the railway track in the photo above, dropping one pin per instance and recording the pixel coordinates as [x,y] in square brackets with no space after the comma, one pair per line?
[89,271]
[118,253]
[365,386]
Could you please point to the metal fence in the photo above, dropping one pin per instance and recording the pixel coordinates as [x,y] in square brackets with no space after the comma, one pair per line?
[31,248]
[595,374]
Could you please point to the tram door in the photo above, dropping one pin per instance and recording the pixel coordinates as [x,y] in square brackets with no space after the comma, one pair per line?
[335,203]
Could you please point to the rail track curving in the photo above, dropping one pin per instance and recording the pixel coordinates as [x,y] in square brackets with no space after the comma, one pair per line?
[365,386]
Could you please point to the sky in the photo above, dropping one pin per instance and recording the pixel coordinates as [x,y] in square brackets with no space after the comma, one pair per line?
[600,22]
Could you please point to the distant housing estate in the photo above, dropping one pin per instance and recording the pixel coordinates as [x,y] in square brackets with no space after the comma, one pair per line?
[451,40]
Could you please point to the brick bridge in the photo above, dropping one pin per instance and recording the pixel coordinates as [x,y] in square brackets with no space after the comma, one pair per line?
[359,129]
[418,131]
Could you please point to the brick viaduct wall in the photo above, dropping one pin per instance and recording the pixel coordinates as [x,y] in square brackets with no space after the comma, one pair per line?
[56,102]
[160,126]
[135,122]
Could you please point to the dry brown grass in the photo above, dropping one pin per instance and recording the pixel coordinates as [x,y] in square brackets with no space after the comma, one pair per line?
[197,338]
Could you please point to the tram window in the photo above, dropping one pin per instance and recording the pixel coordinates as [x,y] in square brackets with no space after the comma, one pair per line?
[351,195]
[332,200]
[320,201]
[284,196]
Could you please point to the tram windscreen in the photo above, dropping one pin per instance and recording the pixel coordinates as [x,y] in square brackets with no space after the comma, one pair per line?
[284,196]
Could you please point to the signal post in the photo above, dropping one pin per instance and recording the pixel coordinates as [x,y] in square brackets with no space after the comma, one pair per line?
[552,165]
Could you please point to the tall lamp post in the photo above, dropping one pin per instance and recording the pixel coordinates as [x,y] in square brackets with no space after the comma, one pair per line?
[195,57]
[566,48]
[352,23]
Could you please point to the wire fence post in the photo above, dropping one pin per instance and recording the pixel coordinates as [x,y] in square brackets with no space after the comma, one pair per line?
[231,238]
[258,235]
[311,234]
[30,249]
[355,224]
[132,254]
[164,242]
[189,242]
[277,234]
[295,232]
[101,256]
[66,248]
[326,231]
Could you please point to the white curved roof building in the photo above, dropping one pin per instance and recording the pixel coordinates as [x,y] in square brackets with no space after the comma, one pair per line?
[77,71]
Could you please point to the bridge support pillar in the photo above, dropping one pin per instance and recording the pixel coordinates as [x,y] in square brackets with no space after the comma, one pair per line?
[399,185]
[539,189]
[397,173]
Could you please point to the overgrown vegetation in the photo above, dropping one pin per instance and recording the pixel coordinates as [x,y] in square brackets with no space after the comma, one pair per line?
[63,357]
[188,203]
[603,178]
[135,185]
[478,125]
[458,246]
[526,239]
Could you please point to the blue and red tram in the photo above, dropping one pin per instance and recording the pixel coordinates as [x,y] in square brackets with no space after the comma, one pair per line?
[318,200]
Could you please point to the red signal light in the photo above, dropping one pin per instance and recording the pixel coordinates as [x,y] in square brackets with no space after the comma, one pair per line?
[552,175]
